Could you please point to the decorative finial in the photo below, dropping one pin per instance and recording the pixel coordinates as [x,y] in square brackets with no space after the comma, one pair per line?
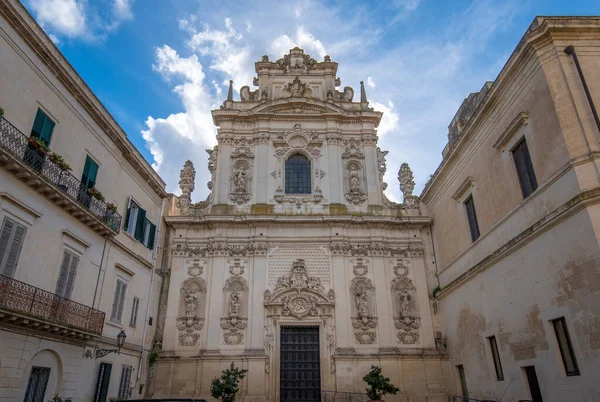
[363,93]
[187,178]
[230,91]
[405,177]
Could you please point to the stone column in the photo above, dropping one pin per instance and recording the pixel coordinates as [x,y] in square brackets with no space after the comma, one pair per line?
[171,336]
[258,282]
[382,293]
[223,161]
[261,170]
[420,278]
[214,298]
[335,179]
[343,331]
[371,170]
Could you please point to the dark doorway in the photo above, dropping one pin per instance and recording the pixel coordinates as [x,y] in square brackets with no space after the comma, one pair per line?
[36,386]
[300,375]
[534,386]
[103,381]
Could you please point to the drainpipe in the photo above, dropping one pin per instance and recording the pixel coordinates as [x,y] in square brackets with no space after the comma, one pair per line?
[99,272]
[154,255]
[570,50]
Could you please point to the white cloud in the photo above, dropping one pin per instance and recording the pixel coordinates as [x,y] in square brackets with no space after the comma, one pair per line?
[249,26]
[182,135]
[370,82]
[80,19]
[304,39]
[64,17]
[390,119]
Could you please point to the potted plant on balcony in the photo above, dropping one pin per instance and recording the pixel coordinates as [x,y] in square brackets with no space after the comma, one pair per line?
[59,161]
[95,193]
[38,146]
[227,386]
[1,112]
[378,384]
[111,208]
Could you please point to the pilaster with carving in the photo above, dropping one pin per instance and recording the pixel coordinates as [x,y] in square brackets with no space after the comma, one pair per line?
[404,303]
[364,310]
[192,308]
[235,303]
[355,179]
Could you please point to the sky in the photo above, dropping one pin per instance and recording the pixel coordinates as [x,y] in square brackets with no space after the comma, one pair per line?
[160,66]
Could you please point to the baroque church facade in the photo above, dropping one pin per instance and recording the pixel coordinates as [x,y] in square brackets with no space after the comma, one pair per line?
[297,267]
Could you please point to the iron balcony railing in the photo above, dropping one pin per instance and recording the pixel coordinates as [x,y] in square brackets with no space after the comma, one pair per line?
[20,298]
[17,143]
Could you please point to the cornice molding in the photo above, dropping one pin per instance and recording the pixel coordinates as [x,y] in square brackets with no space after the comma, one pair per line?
[521,120]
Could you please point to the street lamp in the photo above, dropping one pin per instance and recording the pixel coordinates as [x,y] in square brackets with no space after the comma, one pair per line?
[120,341]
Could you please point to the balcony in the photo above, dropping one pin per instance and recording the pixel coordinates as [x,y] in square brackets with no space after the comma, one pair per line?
[27,306]
[35,169]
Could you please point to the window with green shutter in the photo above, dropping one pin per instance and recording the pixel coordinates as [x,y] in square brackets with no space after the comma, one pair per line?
[66,278]
[90,172]
[42,127]
[140,225]
[149,233]
[12,237]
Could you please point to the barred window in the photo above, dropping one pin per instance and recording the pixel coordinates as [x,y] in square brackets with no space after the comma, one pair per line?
[297,175]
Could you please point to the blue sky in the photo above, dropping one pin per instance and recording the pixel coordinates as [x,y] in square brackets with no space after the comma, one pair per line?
[160,66]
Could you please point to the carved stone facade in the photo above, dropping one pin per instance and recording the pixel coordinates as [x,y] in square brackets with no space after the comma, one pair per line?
[312,244]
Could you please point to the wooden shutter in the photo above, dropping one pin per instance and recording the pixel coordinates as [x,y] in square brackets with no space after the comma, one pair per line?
[124,386]
[90,172]
[11,242]
[126,225]
[71,277]
[42,127]
[151,236]
[134,312]
[61,284]
[116,299]
[141,223]
[103,381]
[122,301]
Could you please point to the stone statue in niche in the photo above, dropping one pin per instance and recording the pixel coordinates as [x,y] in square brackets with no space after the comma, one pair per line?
[191,305]
[240,180]
[405,298]
[234,307]
[362,305]
[354,181]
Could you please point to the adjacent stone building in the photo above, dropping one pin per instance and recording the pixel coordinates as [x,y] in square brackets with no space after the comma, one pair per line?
[79,212]
[297,267]
[516,223]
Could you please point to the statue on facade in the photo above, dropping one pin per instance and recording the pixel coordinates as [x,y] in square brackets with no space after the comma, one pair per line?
[362,304]
[239,181]
[234,306]
[354,181]
[191,305]
[405,298]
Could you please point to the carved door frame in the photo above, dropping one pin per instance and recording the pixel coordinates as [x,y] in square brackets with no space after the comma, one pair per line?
[327,378]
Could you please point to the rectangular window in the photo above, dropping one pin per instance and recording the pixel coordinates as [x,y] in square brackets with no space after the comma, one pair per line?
[118,305]
[565,346]
[534,385]
[472,216]
[102,382]
[524,168]
[463,381]
[131,216]
[42,127]
[134,312]
[12,236]
[90,172]
[496,356]
[124,385]
[66,278]
[36,386]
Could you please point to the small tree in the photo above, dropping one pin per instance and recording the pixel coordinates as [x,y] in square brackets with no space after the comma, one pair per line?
[378,384]
[227,386]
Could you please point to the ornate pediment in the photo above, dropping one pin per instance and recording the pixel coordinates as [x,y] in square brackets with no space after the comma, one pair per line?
[298,106]
[299,295]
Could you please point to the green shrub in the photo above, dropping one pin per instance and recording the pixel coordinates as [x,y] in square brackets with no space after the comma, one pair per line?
[227,386]
[378,384]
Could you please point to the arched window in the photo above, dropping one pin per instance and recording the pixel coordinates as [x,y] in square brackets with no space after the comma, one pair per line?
[297,175]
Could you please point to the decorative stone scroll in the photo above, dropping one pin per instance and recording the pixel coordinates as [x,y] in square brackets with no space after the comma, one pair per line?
[192,306]
[363,310]
[296,62]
